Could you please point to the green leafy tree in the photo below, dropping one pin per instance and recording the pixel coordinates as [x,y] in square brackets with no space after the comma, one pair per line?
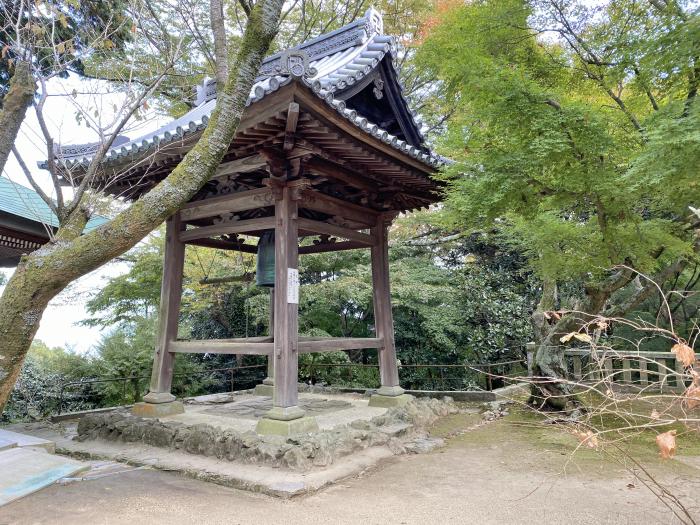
[575,128]
[127,352]
[40,388]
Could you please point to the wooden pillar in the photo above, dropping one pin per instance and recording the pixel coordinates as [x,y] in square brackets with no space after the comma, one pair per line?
[383,319]
[286,316]
[168,313]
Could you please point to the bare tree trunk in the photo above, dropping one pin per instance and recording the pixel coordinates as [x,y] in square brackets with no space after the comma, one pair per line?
[44,273]
[14,107]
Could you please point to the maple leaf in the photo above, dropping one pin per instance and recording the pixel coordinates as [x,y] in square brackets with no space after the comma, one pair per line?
[684,353]
[566,338]
[667,444]
[692,396]
[588,438]
[583,337]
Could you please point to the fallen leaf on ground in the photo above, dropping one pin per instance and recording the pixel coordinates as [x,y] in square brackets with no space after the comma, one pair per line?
[684,353]
[667,444]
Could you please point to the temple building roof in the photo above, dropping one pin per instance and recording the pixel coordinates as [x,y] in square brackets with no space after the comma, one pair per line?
[25,221]
[367,124]
[342,62]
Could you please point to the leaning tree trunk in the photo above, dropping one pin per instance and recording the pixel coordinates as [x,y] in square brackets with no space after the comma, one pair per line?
[41,275]
[549,389]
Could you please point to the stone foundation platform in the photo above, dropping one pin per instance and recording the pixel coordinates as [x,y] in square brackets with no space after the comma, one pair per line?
[214,440]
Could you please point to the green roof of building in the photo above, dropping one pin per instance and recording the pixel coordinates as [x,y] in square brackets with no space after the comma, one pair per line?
[24,202]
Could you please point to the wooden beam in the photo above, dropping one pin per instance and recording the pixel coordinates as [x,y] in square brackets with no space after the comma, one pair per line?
[231,203]
[224,245]
[221,346]
[331,247]
[337,231]
[249,225]
[331,344]
[337,172]
[291,127]
[317,201]
[242,165]
[320,110]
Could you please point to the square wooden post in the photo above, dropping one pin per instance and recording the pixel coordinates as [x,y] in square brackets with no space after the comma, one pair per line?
[286,417]
[159,401]
[390,393]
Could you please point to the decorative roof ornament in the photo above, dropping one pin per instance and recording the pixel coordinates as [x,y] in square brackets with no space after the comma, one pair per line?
[295,62]
[374,24]
[378,89]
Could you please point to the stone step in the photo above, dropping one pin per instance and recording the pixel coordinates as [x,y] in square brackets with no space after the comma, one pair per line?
[395,429]
[24,440]
[28,469]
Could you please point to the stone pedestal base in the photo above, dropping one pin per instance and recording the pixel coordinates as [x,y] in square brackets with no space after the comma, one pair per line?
[264,390]
[145,409]
[381,401]
[302,425]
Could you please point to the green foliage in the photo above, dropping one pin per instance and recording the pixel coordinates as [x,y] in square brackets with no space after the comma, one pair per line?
[37,392]
[127,352]
[134,295]
[579,181]
[69,29]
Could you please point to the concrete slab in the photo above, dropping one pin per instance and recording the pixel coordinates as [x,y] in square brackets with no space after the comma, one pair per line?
[6,444]
[25,440]
[26,470]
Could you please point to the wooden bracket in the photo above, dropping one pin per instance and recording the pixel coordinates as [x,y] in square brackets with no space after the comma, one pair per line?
[291,128]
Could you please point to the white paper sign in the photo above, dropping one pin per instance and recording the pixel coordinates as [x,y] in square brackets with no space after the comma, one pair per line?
[292,286]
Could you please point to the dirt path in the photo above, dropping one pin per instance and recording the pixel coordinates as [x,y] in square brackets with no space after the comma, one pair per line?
[491,475]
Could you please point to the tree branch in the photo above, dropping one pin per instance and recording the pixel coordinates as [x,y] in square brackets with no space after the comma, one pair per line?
[14,108]
[218,28]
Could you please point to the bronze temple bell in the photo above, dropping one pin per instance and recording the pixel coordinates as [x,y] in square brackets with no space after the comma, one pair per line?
[265,264]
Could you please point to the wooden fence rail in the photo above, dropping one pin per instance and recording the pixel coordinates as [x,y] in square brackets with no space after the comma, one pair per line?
[651,371]
[644,370]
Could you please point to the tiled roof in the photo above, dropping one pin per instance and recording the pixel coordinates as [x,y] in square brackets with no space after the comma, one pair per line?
[337,60]
[24,202]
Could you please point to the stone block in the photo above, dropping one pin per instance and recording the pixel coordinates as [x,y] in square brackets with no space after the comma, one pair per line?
[264,390]
[396,429]
[378,400]
[302,425]
[423,445]
[156,410]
